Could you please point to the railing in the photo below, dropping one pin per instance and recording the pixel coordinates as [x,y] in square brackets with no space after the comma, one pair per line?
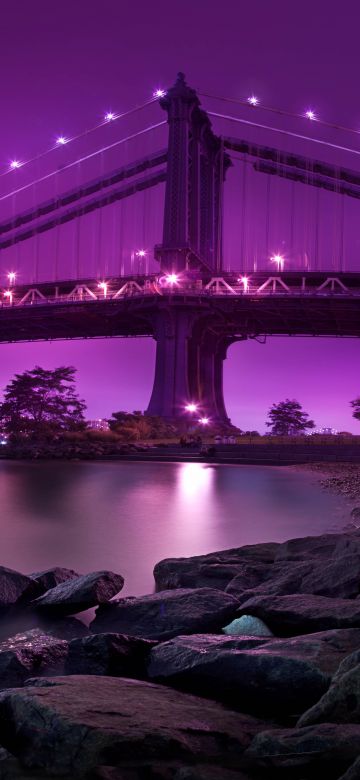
[227,286]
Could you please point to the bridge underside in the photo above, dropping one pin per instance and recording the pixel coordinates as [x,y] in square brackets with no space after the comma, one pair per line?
[192,333]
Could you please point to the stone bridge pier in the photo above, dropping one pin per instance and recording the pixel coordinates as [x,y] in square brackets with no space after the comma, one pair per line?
[189,365]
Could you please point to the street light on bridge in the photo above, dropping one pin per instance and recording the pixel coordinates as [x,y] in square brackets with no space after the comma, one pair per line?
[204,420]
[172,279]
[8,294]
[191,407]
[11,277]
[103,286]
[279,260]
[244,280]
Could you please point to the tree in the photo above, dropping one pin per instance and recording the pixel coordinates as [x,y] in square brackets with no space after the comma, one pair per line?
[356,407]
[41,403]
[288,418]
[137,426]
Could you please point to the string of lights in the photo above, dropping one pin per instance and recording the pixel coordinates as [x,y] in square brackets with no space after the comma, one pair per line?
[62,140]
[309,113]
[81,160]
[289,133]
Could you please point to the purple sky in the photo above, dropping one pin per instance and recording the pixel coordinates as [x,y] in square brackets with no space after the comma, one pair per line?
[64,64]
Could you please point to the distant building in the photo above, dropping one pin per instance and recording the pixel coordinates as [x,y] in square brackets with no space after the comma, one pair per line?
[323,432]
[97,425]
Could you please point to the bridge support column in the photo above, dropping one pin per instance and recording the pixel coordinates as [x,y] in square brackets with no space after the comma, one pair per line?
[189,368]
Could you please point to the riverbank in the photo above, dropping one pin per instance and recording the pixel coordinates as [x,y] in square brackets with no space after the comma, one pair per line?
[341,479]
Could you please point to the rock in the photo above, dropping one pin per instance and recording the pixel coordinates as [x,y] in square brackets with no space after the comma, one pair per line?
[303,613]
[341,703]
[339,578]
[115,655]
[33,652]
[63,628]
[156,770]
[166,614]
[281,579]
[15,589]
[276,677]
[327,747]
[247,625]
[50,578]
[355,512]
[80,593]
[353,773]
[110,721]
[314,547]
[214,570]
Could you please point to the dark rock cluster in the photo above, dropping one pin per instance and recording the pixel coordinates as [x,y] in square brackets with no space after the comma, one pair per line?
[244,664]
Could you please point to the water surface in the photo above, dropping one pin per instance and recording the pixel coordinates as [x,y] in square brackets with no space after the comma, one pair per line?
[127,516]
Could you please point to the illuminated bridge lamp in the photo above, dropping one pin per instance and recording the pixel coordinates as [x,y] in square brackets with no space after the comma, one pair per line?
[141,253]
[159,93]
[61,140]
[109,116]
[310,114]
[204,420]
[253,100]
[191,407]
[8,294]
[245,283]
[279,260]
[15,164]
[11,277]
[103,286]
[172,278]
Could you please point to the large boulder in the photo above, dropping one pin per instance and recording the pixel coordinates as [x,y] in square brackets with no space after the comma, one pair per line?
[114,655]
[338,578]
[303,613]
[326,750]
[341,703]
[69,725]
[214,569]
[63,628]
[247,625]
[50,578]
[34,652]
[166,614]
[281,579]
[16,589]
[165,770]
[75,595]
[276,677]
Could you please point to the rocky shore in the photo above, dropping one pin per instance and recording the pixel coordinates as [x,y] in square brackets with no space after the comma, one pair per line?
[244,663]
[342,479]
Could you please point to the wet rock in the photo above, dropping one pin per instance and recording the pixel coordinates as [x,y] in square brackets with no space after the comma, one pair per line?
[258,675]
[114,655]
[50,578]
[166,614]
[247,625]
[307,547]
[326,747]
[283,578]
[109,721]
[341,703]
[80,593]
[303,613]
[215,569]
[15,589]
[33,652]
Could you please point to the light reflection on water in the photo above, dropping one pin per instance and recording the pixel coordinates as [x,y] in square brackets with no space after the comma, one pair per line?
[127,516]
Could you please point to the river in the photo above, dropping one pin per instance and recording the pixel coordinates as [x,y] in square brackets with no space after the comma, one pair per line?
[127,516]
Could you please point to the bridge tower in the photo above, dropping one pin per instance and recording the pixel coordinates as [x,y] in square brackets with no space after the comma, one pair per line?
[189,353]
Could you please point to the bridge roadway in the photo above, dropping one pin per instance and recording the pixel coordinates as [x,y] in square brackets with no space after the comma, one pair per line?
[232,306]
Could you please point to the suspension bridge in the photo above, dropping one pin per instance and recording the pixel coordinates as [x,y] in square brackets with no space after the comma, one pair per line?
[194,238]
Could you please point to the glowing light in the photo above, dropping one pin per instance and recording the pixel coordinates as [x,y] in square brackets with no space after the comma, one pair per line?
[253,100]
[8,294]
[11,277]
[245,282]
[159,93]
[141,253]
[279,260]
[109,116]
[310,114]
[103,286]
[191,407]
[204,420]
[172,278]
[61,140]
[15,164]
